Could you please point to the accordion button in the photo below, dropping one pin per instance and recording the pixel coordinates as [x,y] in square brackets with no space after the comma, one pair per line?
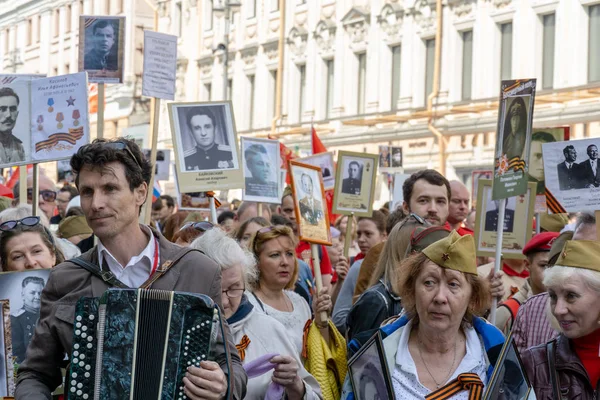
[79,318]
[74,375]
[78,325]
[87,374]
[85,396]
[79,385]
[75,354]
[84,328]
[73,390]
[90,339]
[75,360]
[92,317]
[76,346]
[77,332]
[89,346]
[81,364]
[82,356]
[87,367]
[79,393]
[83,335]
[73,382]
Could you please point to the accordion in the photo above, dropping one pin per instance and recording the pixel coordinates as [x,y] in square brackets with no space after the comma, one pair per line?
[138,344]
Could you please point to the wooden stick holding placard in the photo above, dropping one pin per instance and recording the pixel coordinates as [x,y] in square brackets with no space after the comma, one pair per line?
[154,129]
[314,248]
[597,213]
[498,259]
[348,238]
[23,184]
[100,114]
[259,209]
[35,190]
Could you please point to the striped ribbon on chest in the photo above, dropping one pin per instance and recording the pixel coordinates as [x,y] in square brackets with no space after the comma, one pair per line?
[466,381]
[242,346]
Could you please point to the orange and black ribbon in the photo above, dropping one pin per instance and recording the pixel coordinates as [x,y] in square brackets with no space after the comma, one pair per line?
[242,346]
[467,381]
[212,194]
[553,204]
[305,331]
[72,137]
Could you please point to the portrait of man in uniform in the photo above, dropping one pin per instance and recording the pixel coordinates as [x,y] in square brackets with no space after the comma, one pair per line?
[311,209]
[352,184]
[587,172]
[11,147]
[515,129]
[491,218]
[103,46]
[24,321]
[207,154]
[566,169]
[261,180]
[536,162]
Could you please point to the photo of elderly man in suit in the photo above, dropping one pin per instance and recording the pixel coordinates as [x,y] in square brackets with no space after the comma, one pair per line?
[311,209]
[587,172]
[566,169]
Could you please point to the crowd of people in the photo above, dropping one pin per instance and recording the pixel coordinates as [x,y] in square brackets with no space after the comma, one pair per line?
[410,274]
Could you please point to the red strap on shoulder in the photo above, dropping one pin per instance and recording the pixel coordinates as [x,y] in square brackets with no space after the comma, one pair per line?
[513,306]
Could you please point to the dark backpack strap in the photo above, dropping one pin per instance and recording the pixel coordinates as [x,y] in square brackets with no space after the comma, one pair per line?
[106,276]
[551,354]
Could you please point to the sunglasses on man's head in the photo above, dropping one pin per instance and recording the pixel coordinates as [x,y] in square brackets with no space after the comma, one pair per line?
[122,146]
[47,195]
[27,221]
[201,226]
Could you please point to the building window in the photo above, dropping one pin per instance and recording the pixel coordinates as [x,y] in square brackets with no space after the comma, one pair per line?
[250,101]
[506,39]
[301,91]
[118,6]
[29,31]
[274,5]
[207,91]
[68,18]
[39,29]
[274,92]
[208,15]
[429,66]
[549,22]
[55,71]
[178,19]
[467,67]
[229,89]
[594,54]
[67,68]
[56,22]
[362,74]
[251,8]
[396,59]
[81,9]
[330,65]
[7,40]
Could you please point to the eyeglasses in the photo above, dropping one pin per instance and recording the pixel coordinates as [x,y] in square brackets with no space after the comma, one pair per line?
[201,226]
[48,195]
[27,221]
[122,146]
[233,293]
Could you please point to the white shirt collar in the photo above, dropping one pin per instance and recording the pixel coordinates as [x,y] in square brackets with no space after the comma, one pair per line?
[146,255]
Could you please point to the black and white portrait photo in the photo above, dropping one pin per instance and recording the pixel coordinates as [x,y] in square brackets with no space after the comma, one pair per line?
[491,216]
[351,184]
[23,290]
[14,123]
[64,172]
[101,48]
[325,162]
[261,170]
[396,157]
[514,135]
[567,178]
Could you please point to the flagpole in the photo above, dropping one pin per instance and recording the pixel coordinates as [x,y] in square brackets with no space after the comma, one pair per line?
[498,259]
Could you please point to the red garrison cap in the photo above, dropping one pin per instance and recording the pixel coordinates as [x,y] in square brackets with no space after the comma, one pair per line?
[540,242]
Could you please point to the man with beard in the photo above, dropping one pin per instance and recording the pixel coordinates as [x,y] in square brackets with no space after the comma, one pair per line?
[102,56]
[426,194]
[587,172]
[566,169]
[259,165]
[23,323]
[11,148]
[515,129]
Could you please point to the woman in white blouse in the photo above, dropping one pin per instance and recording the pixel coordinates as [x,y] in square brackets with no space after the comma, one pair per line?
[272,291]
[255,333]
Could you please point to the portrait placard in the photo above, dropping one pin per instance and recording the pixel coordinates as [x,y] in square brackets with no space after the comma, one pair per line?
[355,183]
[15,126]
[101,48]
[572,175]
[369,372]
[261,170]
[310,203]
[397,193]
[475,177]
[509,379]
[23,291]
[536,162]
[162,165]
[518,221]
[59,116]
[64,172]
[6,79]
[325,162]
[206,150]
[390,157]
[160,65]
[513,138]
[7,368]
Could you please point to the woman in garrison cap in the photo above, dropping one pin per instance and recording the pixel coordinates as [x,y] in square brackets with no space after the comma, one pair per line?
[568,366]
[440,346]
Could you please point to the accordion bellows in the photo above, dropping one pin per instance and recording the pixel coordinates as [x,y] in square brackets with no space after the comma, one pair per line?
[137,344]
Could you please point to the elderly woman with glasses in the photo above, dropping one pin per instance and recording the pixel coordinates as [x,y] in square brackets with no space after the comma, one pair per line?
[258,335]
[27,244]
[440,342]
[271,291]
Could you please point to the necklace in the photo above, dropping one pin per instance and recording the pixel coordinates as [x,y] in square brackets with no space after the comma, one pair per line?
[286,301]
[437,385]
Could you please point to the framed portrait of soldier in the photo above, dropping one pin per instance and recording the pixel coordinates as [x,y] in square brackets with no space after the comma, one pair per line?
[206,149]
[101,48]
[23,291]
[369,373]
[15,125]
[572,175]
[260,160]
[513,139]
[355,183]
[310,203]
[517,225]
[325,162]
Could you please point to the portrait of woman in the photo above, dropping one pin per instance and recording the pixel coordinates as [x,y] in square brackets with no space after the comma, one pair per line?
[515,129]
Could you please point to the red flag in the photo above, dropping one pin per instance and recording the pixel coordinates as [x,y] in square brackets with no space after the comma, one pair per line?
[14,177]
[317,145]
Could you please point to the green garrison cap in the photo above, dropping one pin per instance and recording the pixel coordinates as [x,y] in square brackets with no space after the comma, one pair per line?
[557,246]
[580,254]
[454,252]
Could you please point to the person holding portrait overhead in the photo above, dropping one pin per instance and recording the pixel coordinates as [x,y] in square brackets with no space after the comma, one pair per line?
[11,147]
[311,209]
[207,153]
[566,169]
[515,129]
[259,165]
[587,171]
[491,218]
[351,185]
[103,55]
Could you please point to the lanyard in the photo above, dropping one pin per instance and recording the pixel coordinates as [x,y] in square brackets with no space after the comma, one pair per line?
[155,263]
